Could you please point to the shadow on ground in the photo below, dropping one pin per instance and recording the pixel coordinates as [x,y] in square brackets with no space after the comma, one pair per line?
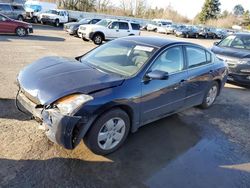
[10,37]
[143,154]
[11,112]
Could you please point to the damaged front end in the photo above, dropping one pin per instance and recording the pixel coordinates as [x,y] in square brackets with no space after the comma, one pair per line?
[60,125]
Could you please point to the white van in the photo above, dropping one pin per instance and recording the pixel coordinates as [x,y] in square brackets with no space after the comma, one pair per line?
[35,8]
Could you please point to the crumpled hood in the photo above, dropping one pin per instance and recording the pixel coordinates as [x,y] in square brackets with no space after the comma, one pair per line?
[51,78]
[231,52]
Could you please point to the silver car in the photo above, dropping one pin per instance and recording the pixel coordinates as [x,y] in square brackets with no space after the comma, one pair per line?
[16,12]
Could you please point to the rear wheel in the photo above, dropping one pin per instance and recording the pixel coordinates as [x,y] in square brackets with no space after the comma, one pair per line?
[109,132]
[206,36]
[98,39]
[211,95]
[196,36]
[34,20]
[21,32]
[187,35]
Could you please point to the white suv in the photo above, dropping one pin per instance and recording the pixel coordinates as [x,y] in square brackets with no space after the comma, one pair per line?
[108,29]
[54,16]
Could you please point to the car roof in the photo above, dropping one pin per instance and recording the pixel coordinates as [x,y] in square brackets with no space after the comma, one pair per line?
[157,42]
[241,34]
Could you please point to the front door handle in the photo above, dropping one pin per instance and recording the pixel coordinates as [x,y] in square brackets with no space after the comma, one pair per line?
[180,84]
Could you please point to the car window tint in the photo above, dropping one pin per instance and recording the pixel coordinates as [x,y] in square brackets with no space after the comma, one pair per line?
[123,25]
[135,26]
[94,21]
[209,57]
[170,61]
[17,7]
[5,8]
[196,57]
[114,25]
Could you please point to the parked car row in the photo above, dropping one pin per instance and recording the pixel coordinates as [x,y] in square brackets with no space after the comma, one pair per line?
[98,30]
[187,31]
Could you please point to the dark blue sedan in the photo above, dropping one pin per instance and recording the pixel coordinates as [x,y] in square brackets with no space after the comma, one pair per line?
[118,87]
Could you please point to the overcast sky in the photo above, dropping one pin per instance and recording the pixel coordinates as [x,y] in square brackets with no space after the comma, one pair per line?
[190,8]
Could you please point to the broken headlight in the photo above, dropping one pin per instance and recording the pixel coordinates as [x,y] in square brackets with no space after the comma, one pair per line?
[69,104]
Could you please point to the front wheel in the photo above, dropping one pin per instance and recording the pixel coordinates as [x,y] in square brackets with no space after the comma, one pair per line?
[21,32]
[57,23]
[98,39]
[109,132]
[211,95]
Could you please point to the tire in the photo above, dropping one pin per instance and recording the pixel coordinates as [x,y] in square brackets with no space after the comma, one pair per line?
[99,137]
[98,39]
[21,31]
[57,23]
[20,18]
[42,22]
[214,37]
[206,36]
[211,93]
[196,36]
[187,36]
[35,20]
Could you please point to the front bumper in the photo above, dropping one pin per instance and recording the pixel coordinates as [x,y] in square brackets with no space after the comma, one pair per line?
[85,35]
[239,73]
[30,30]
[58,128]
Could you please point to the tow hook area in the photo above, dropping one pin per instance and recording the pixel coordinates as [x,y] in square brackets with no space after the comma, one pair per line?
[59,128]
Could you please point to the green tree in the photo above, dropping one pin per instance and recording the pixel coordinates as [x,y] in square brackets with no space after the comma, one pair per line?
[238,10]
[210,10]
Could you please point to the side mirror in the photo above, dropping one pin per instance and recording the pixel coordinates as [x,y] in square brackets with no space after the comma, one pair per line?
[157,75]
[216,43]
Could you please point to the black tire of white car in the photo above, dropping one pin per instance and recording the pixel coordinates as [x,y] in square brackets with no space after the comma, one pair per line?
[34,20]
[20,18]
[212,93]
[57,23]
[196,36]
[21,31]
[106,129]
[98,39]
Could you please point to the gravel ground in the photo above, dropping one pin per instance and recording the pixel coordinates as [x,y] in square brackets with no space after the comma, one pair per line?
[195,148]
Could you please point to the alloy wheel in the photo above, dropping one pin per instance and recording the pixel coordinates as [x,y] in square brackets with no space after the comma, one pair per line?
[111,133]
[211,96]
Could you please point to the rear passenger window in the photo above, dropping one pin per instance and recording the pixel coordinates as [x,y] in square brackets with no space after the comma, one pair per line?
[135,26]
[196,57]
[123,25]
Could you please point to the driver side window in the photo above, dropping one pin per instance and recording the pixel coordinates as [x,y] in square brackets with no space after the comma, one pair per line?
[169,61]
[114,25]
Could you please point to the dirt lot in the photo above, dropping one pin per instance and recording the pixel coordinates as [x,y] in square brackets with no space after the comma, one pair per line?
[195,148]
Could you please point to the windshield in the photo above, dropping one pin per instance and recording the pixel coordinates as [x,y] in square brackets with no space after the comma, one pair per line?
[120,57]
[104,23]
[82,21]
[36,8]
[53,12]
[233,41]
